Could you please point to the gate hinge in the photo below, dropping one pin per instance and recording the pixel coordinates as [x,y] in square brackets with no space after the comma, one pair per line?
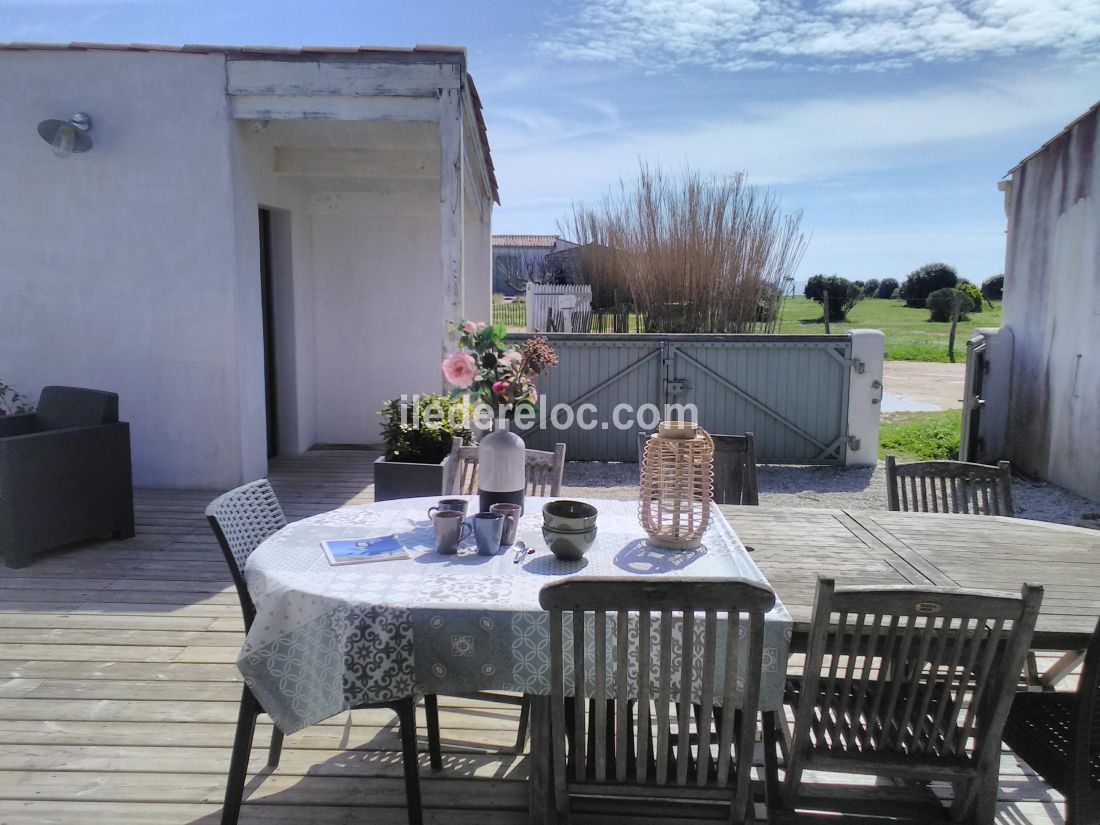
[859,368]
[853,442]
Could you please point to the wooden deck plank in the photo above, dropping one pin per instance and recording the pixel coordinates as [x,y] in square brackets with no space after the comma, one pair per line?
[118,690]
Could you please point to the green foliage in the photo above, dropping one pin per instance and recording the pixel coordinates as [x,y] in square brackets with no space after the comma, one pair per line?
[422,429]
[924,281]
[843,294]
[920,436]
[909,334]
[973,295]
[12,402]
[886,288]
[870,288]
[993,288]
[941,303]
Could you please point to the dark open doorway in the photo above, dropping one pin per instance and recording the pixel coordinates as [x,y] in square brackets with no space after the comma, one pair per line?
[267,298]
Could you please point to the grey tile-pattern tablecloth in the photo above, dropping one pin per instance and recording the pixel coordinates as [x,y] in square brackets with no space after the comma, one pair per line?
[328,638]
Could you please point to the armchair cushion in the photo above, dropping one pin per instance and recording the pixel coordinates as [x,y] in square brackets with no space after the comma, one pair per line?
[62,407]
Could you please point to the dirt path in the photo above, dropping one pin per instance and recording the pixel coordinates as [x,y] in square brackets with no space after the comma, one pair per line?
[940,385]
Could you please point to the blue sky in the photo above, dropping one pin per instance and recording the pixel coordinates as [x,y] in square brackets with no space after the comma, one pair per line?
[886,122]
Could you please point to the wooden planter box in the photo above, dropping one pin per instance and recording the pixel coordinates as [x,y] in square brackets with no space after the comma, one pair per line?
[407,479]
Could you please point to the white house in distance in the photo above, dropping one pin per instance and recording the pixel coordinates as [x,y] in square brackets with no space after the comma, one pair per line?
[1043,388]
[516,255]
[261,246]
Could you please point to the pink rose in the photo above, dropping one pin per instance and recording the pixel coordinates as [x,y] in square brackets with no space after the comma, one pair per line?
[510,359]
[459,369]
[469,326]
[500,387]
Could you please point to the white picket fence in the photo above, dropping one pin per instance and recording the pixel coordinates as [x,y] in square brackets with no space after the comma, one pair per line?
[559,308]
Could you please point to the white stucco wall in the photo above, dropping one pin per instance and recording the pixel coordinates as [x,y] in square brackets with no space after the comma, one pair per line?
[378,318]
[477,271]
[117,267]
[135,267]
[1052,306]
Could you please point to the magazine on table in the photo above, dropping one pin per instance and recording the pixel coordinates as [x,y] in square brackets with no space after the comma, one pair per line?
[357,551]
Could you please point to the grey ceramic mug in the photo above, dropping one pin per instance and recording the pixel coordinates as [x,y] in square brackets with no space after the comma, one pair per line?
[488,528]
[511,513]
[459,504]
[450,529]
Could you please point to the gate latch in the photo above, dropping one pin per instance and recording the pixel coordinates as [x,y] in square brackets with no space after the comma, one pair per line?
[677,386]
[858,366]
[853,443]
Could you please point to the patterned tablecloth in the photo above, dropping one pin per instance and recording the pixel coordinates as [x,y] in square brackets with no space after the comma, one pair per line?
[328,638]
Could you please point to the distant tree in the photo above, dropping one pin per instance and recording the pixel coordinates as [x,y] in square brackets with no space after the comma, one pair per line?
[941,303]
[886,288]
[870,288]
[973,296]
[924,281]
[993,288]
[843,294]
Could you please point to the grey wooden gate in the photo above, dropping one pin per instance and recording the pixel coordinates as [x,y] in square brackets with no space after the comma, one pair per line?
[790,390]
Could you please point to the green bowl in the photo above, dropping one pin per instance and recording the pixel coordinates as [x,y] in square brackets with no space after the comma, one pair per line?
[569,516]
[568,545]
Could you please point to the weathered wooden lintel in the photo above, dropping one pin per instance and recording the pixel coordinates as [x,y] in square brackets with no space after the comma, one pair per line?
[333,107]
[352,79]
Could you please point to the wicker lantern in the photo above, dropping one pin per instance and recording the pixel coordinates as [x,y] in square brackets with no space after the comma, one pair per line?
[677,485]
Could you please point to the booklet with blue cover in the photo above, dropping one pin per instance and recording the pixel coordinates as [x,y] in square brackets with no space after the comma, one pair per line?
[356,551]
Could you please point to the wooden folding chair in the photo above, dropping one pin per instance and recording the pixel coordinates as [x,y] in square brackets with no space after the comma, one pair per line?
[618,670]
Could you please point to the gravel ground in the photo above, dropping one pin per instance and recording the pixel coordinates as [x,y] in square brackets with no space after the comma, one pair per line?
[857,488]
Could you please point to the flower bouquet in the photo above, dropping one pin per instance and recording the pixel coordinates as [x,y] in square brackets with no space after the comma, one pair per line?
[494,374]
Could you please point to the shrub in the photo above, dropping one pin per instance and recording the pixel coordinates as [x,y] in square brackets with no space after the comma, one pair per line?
[886,288]
[896,294]
[973,294]
[870,288]
[12,402]
[424,435]
[924,281]
[843,294]
[941,303]
[994,288]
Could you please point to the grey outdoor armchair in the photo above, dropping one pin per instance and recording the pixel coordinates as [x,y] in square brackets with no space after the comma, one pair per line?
[64,474]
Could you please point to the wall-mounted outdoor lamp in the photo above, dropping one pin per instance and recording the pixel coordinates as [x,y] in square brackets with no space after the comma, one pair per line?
[67,136]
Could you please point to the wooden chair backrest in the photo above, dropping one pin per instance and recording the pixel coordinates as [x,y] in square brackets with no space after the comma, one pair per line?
[930,672]
[241,519]
[1085,730]
[734,468]
[949,487]
[592,642]
[543,470]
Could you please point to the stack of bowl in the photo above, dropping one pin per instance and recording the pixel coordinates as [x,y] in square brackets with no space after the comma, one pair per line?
[569,528]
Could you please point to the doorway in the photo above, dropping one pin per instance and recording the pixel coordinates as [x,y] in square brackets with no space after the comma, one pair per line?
[267,301]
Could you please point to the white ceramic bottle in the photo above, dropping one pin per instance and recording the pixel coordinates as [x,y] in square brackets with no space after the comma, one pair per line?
[501,470]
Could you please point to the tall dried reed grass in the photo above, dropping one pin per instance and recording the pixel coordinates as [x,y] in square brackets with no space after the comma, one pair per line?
[693,253]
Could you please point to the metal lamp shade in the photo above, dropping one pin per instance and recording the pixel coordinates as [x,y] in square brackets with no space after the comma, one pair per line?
[677,486]
[74,130]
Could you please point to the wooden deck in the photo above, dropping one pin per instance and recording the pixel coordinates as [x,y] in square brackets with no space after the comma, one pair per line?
[121,692]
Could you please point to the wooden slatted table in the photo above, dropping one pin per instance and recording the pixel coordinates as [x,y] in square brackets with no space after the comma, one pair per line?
[869,547]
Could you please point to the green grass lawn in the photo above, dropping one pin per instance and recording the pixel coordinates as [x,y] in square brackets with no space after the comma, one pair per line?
[920,436]
[910,336]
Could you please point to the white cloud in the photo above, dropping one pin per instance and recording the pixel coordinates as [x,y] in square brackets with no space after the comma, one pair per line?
[817,140]
[861,34]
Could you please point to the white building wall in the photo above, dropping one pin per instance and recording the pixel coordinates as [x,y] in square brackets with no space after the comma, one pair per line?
[118,266]
[1052,306]
[378,315]
[477,268]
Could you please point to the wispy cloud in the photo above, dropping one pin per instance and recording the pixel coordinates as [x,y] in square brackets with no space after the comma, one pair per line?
[855,34]
[798,142]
